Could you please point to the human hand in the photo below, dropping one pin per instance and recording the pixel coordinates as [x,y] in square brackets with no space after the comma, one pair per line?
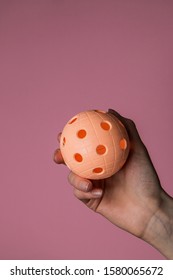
[133,198]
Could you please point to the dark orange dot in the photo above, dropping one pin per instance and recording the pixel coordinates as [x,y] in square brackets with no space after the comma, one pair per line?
[98,170]
[101,149]
[64,141]
[78,157]
[100,111]
[105,125]
[81,133]
[123,144]
[72,121]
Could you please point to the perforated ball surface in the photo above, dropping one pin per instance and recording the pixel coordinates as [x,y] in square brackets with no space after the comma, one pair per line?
[94,144]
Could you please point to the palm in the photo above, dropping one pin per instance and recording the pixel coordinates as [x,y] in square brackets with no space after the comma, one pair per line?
[131,196]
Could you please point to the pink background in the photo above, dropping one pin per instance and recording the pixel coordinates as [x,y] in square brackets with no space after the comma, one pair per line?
[58,58]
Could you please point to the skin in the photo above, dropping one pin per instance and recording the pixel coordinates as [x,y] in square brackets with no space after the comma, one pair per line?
[133,198]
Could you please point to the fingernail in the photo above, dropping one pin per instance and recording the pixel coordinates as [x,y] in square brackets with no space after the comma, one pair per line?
[85,186]
[97,193]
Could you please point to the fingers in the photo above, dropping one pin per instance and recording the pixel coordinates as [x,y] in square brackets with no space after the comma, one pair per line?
[79,183]
[57,157]
[83,188]
[132,131]
[85,196]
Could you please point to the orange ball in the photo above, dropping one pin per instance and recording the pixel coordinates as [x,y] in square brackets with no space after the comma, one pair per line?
[94,144]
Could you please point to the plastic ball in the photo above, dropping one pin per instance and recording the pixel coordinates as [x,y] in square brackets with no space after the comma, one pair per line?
[94,144]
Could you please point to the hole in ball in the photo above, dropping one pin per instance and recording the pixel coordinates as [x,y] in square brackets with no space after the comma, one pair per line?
[78,157]
[123,144]
[98,170]
[100,111]
[72,120]
[64,141]
[101,149]
[105,125]
[81,133]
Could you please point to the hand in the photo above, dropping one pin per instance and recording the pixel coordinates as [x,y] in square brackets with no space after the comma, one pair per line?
[133,198]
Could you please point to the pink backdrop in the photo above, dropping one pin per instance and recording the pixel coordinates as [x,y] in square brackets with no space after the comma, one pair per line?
[58,58]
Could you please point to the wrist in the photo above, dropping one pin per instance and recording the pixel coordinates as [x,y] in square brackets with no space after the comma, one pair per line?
[159,231]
